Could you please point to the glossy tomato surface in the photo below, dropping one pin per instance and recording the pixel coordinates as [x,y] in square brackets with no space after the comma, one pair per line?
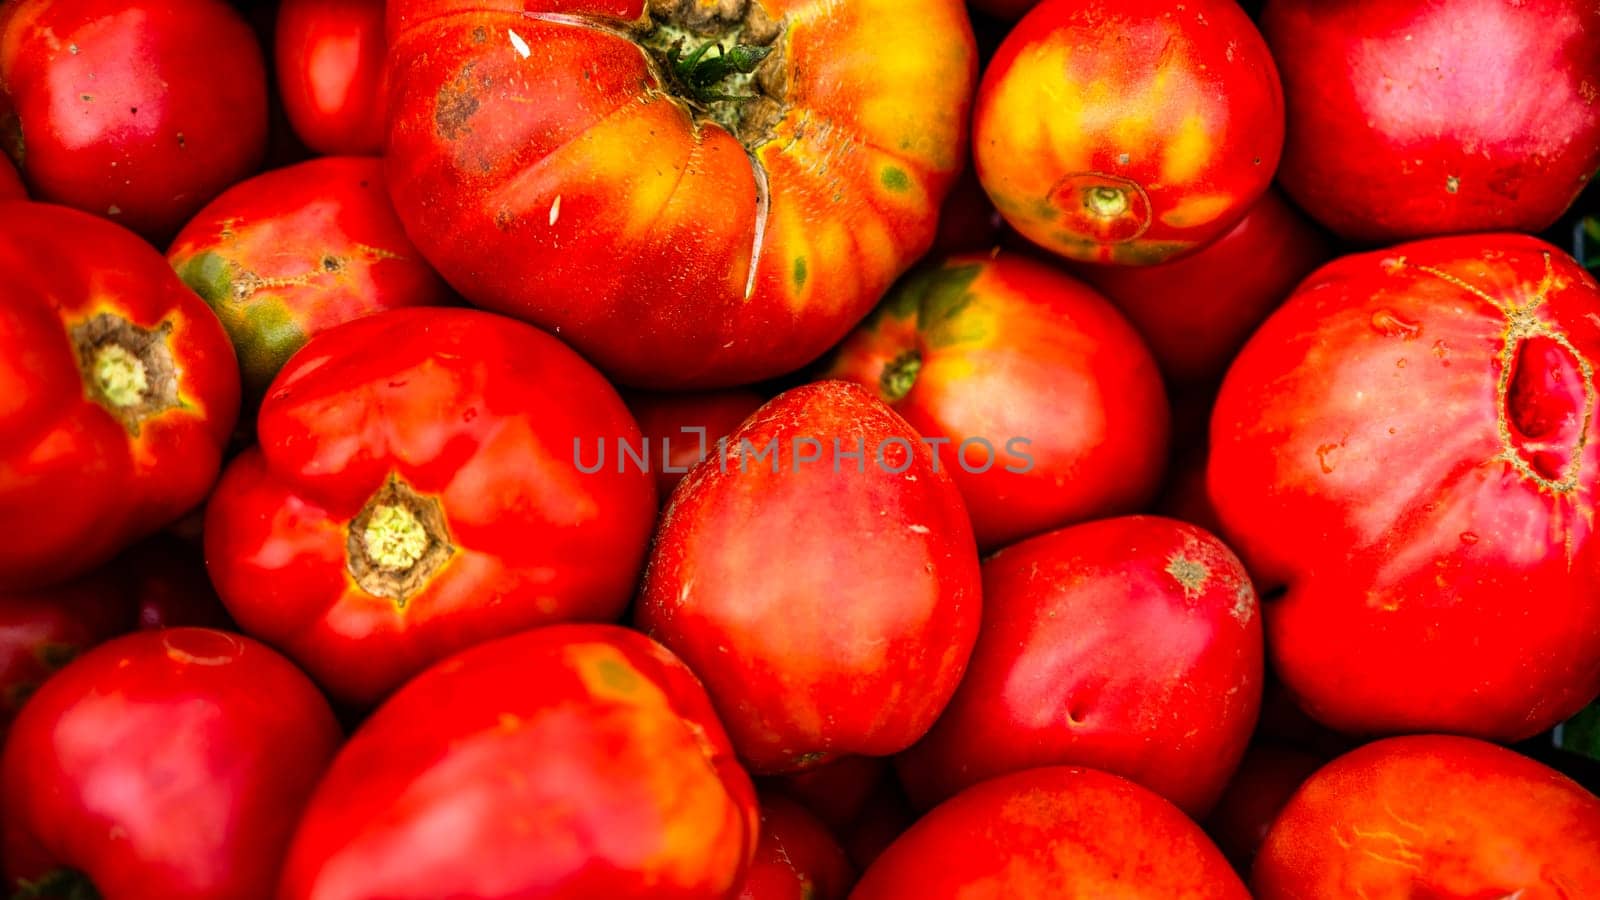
[1409,448]
[1053,832]
[683,217]
[166,764]
[1128,131]
[575,761]
[136,110]
[797,859]
[329,56]
[829,601]
[1418,117]
[425,481]
[1431,816]
[1131,645]
[1051,408]
[118,390]
[295,251]
[680,430]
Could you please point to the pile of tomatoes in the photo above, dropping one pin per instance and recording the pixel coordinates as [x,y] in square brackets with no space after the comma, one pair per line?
[799,449]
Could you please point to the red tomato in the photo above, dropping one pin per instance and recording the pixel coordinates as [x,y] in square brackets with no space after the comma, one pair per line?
[329,56]
[10,183]
[420,488]
[1432,816]
[1051,408]
[296,251]
[797,858]
[166,763]
[1131,645]
[118,390]
[1412,118]
[829,601]
[682,429]
[1128,131]
[1196,312]
[137,110]
[681,223]
[1053,832]
[835,792]
[578,761]
[1410,447]
[43,630]
[1267,777]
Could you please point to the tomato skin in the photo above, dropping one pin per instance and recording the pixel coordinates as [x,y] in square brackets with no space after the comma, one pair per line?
[774,585]
[10,182]
[1003,345]
[1052,832]
[162,105]
[455,422]
[287,254]
[1197,311]
[669,423]
[510,754]
[1419,118]
[1267,778]
[1131,645]
[1128,131]
[1358,460]
[330,71]
[1469,818]
[213,743]
[77,293]
[796,859]
[646,237]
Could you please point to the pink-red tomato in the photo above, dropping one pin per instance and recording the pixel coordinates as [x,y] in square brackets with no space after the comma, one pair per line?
[329,56]
[797,859]
[136,110]
[680,430]
[1409,448]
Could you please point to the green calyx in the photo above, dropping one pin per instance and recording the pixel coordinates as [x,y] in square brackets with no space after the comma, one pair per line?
[702,73]
[57,884]
[899,376]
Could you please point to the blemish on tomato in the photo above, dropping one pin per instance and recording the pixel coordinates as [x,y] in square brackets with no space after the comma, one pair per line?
[895,179]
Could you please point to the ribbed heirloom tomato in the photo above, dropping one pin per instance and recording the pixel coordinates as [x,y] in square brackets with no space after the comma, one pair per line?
[118,390]
[417,490]
[691,193]
[1410,448]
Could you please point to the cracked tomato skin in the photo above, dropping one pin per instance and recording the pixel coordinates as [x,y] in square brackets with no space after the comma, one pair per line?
[417,490]
[329,56]
[1409,448]
[1433,816]
[1053,832]
[136,110]
[1132,645]
[1128,131]
[829,603]
[1415,118]
[666,250]
[169,764]
[10,182]
[797,858]
[509,759]
[1003,349]
[118,390]
[293,252]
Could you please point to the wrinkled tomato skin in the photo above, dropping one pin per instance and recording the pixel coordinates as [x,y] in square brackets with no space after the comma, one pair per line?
[293,252]
[509,756]
[10,182]
[1466,817]
[682,429]
[475,419]
[1409,448]
[1414,118]
[330,72]
[1052,832]
[134,110]
[660,246]
[166,763]
[1011,350]
[830,606]
[1131,645]
[1196,312]
[796,859]
[71,466]
[1268,776]
[1128,131]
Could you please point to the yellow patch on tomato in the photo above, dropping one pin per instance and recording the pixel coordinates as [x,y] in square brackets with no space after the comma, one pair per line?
[1188,152]
[1198,210]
